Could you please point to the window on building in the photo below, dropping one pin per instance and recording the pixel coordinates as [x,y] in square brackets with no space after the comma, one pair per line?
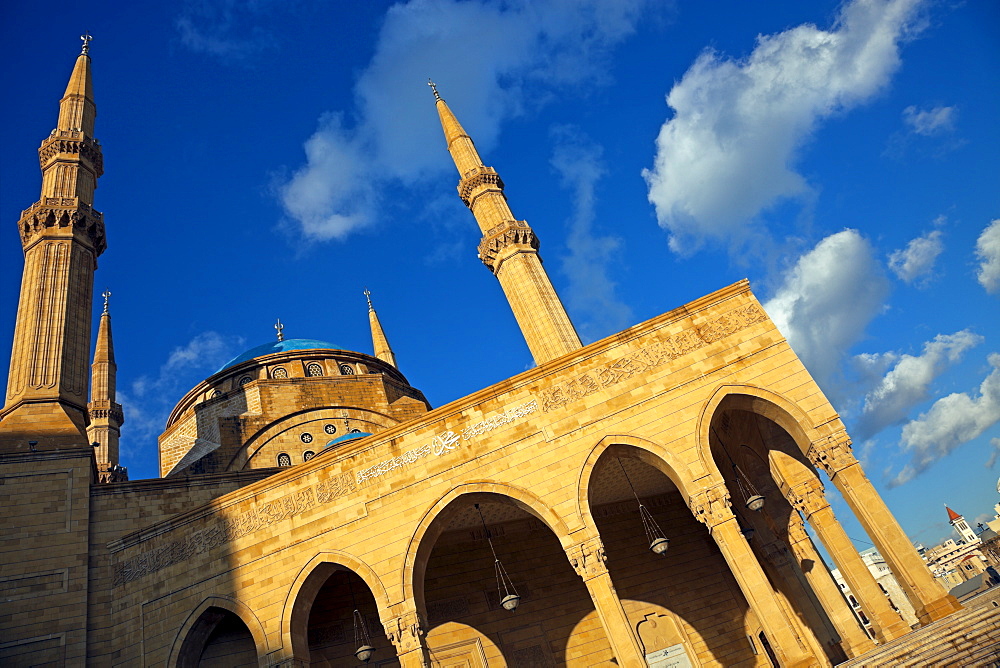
[244,380]
[314,369]
[279,372]
[284,459]
[306,437]
[346,370]
[307,455]
[216,393]
[330,428]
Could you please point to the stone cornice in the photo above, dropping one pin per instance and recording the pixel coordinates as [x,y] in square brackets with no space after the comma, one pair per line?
[364,451]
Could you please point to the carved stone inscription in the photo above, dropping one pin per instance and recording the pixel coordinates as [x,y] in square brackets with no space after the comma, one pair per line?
[649,355]
[226,530]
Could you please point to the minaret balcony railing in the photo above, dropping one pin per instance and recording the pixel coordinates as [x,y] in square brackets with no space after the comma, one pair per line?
[477,178]
[80,145]
[69,213]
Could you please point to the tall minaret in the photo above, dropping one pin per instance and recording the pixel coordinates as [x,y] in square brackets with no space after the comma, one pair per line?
[62,235]
[509,248]
[963,528]
[106,415]
[379,342]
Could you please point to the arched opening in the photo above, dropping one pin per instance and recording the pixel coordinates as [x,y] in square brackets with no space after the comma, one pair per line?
[461,590]
[761,462]
[683,603]
[334,615]
[218,639]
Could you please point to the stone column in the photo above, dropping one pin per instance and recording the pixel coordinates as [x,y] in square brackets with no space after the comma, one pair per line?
[797,600]
[711,507]
[588,559]
[930,601]
[807,497]
[406,632]
[853,638]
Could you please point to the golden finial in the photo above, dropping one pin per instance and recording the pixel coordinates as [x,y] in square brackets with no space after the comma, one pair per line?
[106,294]
[279,327]
[368,296]
[86,37]
[437,96]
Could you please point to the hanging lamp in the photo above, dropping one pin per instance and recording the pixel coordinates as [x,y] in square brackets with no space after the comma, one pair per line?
[362,640]
[658,542]
[753,499]
[509,597]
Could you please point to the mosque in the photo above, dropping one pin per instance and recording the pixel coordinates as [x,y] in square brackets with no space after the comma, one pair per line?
[639,501]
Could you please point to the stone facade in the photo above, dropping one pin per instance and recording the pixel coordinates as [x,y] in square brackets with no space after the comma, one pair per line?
[552,484]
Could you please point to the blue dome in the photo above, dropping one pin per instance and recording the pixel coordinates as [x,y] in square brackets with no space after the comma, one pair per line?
[280,347]
[346,437]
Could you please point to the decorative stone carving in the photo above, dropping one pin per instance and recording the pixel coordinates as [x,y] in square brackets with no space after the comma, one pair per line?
[588,558]
[80,144]
[69,214]
[776,552]
[474,179]
[405,632]
[833,453]
[808,497]
[510,233]
[712,506]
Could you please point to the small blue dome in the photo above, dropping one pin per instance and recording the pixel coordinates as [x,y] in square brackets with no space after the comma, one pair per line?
[346,437]
[280,347]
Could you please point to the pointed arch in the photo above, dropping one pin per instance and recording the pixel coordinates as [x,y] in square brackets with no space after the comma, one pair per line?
[198,626]
[646,451]
[422,542]
[306,585]
[753,399]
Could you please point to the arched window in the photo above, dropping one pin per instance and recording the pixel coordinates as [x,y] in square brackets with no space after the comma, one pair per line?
[279,372]
[314,369]
[354,431]
[244,380]
[284,459]
[346,370]
[307,455]
[216,393]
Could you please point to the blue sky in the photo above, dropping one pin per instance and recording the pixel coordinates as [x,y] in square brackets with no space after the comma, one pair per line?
[271,159]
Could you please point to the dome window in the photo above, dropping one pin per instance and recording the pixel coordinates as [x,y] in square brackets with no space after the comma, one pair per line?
[314,369]
[306,437]
[354,431]
[216,394]
[330,428]
[279,372]
[307,455]
[346,370]
[284,459]
[244,380]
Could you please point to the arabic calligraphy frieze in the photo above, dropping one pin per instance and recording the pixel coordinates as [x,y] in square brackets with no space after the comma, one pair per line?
[227,529]
[499,420]
[649,355]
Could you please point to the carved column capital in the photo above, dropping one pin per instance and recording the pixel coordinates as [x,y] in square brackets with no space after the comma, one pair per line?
[712,505]
[588,558]
[807,497]
[405,631]
[832,453]
[776,552]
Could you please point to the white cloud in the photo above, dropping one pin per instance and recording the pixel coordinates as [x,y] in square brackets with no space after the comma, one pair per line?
[484,74]
[149,399]
[729,150]
[916,261]
[230,30]
[988,252]
[950,422]
[929,122]
[908,382]
[994,452]
[827,300]
[591,291]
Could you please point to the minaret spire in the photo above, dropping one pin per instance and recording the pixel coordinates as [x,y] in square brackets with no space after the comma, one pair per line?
[62,236]
[379,341]
[106,415]
[509,247]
